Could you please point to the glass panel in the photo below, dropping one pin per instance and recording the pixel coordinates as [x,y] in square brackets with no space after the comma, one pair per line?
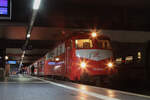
[3,7]
[139,55]
[129,58]
[104,44]
[84,43]
[118,60]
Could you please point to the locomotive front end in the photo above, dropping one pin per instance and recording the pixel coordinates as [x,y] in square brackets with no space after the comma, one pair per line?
[95,61]
[94,55]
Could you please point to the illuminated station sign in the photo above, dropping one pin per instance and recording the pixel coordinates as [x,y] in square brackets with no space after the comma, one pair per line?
[5,9]
[11,62]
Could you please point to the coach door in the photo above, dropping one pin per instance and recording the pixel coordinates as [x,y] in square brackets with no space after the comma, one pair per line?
[68,59]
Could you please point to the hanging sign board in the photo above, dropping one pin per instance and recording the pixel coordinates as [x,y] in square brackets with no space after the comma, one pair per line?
[5,9]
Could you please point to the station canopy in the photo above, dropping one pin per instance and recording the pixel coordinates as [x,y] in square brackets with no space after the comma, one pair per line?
[56,18]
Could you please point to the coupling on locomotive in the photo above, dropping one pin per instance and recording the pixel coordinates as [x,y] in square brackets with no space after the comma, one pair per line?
[80,55]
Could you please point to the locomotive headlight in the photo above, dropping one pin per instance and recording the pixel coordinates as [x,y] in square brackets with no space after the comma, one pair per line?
[83,64]
[110,64]
[57,59]
[94,34]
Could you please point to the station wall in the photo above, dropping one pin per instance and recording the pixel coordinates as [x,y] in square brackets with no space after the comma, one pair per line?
[127,36]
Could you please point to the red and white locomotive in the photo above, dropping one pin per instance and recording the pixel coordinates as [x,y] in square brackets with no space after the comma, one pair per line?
[82,55]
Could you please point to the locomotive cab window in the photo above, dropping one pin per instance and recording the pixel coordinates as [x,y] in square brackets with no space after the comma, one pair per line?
[104,44]
[84,43]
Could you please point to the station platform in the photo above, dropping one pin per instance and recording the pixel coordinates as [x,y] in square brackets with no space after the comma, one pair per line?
[23,87]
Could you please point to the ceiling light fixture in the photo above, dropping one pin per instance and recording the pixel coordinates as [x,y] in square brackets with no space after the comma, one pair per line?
[36,4]
[28,35]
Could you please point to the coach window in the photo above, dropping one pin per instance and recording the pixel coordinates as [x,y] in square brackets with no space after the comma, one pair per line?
[71,44]
[55,52]
[118,60]
[83,43]
[63,47]
[129,59]
[48,55]
[60,50]
[101,44]
[139,55]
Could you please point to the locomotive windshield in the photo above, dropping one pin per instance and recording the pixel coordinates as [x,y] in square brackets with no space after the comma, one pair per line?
[84,43]
[103,44]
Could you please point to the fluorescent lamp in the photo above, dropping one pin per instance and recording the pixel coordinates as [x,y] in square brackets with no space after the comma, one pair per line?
[6,57]
[36,4]
[28,35]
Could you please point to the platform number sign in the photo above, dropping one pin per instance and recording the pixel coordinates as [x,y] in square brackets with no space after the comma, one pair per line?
[5,9]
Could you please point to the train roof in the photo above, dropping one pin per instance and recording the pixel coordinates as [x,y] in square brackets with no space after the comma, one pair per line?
[88,35]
